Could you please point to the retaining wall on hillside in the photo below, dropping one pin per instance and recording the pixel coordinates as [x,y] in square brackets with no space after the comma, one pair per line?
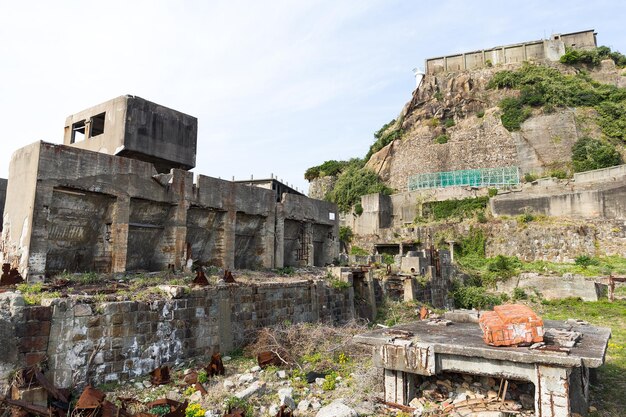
[85,341]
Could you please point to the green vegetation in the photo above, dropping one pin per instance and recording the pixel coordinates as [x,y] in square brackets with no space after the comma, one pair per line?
[585,261]
[480,114]
[467,207]
[540,86]
[160,410]
[492,192]
[194,410]
[530,177]
[607,393]
[441,139]
[384,136]
[356,250]
[388,259]
[345,234]
[592,57]
[233,402]
[285,271]
[589,154]
[353,183]
[449,122]
[473,297]
[331,167]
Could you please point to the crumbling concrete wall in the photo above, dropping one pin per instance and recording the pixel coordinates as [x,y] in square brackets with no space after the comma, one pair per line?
[97,342]
[77,210]
[555,287]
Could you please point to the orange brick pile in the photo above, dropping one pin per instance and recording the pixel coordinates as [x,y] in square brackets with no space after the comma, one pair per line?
[511,325]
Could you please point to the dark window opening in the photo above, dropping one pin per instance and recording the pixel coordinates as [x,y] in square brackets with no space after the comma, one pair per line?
[97,125]
[78,132]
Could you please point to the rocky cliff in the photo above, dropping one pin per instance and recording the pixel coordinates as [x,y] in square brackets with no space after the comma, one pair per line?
[453,122]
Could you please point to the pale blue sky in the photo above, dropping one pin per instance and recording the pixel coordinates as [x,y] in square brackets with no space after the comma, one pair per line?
[277,86]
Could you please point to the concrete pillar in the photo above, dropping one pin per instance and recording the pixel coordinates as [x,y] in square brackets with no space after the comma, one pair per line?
[451,242]
[370,295]
[279,237]
[400,387]
[409,289]
[552,391]
[230,223]
[225,319]
[119,234]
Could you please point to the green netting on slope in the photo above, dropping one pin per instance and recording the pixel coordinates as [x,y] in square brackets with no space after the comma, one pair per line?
[484,177]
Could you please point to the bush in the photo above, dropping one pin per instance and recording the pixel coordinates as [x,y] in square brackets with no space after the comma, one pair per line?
[449,122]
[441,139]
[474,297]
[547,87]
[345,234]
[480,114]
[388,259]
[585,261]
[589,154]
[353,183]
[358,209]
[526,218]
[439,210]
[529,177]
[504,266]
[492,192]
[472,244]
[384,136]
[519,294]
[356,250]
[328,168]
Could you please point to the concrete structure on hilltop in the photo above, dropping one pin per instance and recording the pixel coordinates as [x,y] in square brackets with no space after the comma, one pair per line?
[72,209]
[271,184]
[544,49]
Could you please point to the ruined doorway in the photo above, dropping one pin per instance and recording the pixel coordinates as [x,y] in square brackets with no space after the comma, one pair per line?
[79,225]
[321,233]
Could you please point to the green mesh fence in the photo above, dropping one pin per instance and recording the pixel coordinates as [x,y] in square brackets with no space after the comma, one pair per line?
[484,177]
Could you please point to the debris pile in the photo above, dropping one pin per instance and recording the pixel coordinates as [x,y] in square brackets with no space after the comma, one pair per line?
[455,395]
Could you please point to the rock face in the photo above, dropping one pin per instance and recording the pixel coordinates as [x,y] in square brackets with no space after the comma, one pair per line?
[459,106]
[320,186]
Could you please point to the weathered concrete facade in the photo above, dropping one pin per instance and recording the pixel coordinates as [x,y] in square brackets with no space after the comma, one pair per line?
[95,342]
[136,128]
[549,49]
[76,210]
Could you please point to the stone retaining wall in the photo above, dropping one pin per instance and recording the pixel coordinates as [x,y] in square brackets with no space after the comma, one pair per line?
[97,342]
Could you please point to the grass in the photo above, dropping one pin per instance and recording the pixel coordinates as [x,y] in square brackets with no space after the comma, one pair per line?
[607,394]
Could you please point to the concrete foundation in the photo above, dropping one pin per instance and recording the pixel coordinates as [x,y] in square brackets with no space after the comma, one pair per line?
[561,382]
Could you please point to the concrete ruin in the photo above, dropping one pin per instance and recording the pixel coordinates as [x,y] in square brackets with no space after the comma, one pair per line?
[544,49]
[424,348]
[106,204]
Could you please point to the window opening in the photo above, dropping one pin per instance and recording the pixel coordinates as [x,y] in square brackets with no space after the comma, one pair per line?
[97,125]
[78,132]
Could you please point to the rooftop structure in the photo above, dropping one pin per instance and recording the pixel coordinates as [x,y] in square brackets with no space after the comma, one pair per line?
[132,127]
[551,49]
[271,184]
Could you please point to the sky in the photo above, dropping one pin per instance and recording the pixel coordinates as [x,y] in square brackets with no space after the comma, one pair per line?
[277,86]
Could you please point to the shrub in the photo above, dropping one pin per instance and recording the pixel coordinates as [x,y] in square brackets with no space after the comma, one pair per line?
[441,139]
[194,410]
[547,87]
[474,297]
[345,234]
[328,168]
[160,410]
[388,259]
[585,261]
[504,266]
[526,218]
[519,294]
[492,192]
[589,154]
[449,122]
[353,183]
[358,209]
[233,402]
[384,136]
[529,177]
[480,114]
[359,251]
[466,207]
[473,243]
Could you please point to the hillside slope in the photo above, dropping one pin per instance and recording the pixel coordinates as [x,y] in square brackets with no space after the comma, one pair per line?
[454,122]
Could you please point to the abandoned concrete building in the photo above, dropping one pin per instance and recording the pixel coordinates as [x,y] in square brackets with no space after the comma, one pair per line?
[117,197]
[544,49]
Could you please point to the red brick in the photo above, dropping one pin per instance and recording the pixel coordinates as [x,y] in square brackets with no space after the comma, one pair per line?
[511,325]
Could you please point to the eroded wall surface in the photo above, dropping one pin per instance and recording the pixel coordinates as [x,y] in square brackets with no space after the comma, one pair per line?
[3,193]
[75,210]
[98,342]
